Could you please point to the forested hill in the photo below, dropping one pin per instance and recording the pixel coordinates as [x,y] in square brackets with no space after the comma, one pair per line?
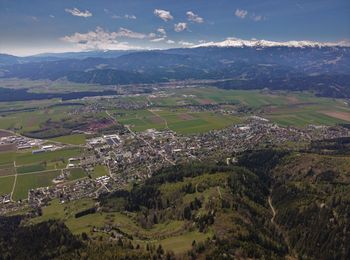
[272,204]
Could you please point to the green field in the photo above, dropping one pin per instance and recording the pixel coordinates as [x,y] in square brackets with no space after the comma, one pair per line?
[60,157]
[26,182]
[57,210]
[76,173]
[7,158]
[183,243]
[31,168]
[178,120]
[35,170]
[76,139]
[99,171]
[32,119]
[6,184]
[285,108]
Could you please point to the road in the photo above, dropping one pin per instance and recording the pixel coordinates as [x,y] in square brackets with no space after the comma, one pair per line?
[279,229]
[219,191]
[272,210]
[15,181]
[164,120]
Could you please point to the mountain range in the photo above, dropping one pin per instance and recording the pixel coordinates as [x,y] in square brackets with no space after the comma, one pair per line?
[322,68]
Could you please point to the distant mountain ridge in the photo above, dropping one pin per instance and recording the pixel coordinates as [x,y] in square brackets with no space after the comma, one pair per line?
[236,42]
[322,69]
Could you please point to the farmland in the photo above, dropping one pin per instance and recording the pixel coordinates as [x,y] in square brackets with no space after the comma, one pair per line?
[34,170]
[170,110]
[285,108]
[179,120]
[173,109]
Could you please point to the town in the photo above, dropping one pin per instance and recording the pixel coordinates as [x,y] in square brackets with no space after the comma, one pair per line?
[132,157]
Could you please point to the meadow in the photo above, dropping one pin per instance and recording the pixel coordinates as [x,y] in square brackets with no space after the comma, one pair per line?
[76,173]
[173,234]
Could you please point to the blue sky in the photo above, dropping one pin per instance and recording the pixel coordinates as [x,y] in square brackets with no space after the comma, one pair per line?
[36,26]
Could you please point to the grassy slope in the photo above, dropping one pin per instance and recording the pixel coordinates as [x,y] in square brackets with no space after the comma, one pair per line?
[173,232]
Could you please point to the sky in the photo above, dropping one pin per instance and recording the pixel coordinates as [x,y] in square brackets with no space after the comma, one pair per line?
[39,26]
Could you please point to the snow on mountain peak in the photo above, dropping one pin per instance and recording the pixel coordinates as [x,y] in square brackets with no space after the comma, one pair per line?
[236,42]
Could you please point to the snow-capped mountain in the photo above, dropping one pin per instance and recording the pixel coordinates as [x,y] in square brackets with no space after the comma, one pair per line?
[236,42]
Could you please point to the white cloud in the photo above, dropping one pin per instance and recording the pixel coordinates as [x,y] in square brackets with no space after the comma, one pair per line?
[103,40]
[241,13]
[184,43]
[170,42]
[51,16]
[126,16]
[130,16]
[158,39]
[161,31]
[179,27]
[257,18]
[114,16]
[123,32]
[77,12]
[163,14]
[194,17]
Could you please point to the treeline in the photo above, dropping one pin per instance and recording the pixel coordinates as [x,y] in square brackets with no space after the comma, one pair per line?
[7,94]
[148,195]
[46,240]
[53,240]
[321,85]
[339,145]
[85,212]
